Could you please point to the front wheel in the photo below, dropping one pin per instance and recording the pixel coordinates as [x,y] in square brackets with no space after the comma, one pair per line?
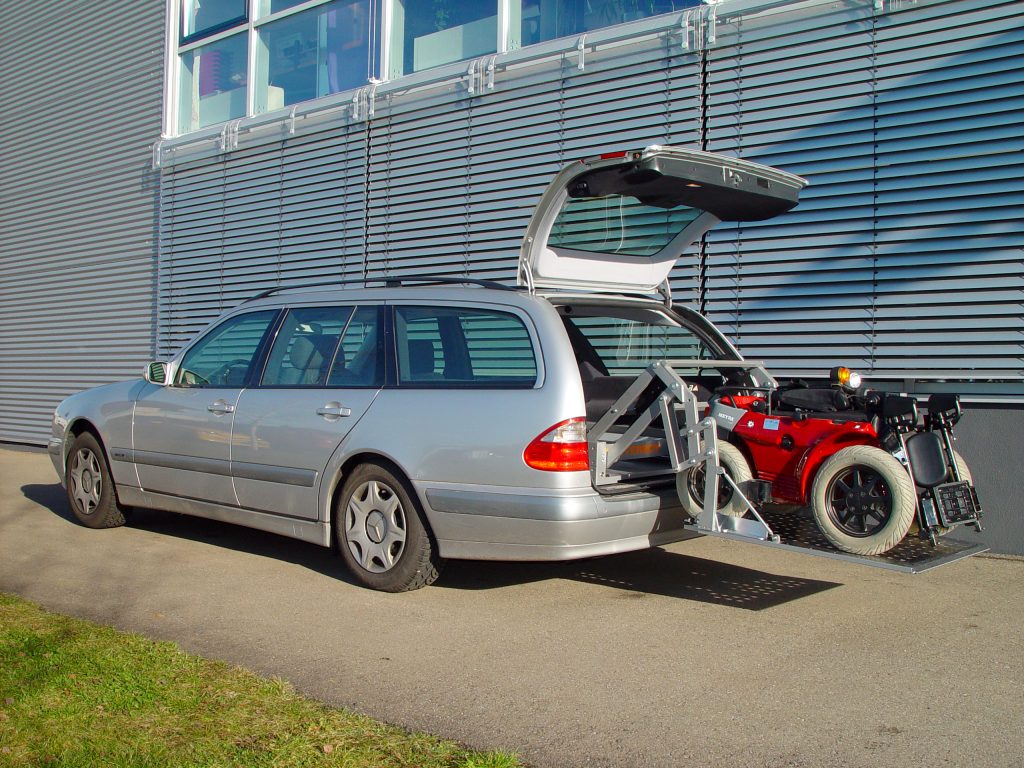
[691,483]
[863,500]
[381,533]
[89,485]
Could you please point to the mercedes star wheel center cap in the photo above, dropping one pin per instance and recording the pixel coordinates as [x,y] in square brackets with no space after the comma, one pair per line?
[376,527]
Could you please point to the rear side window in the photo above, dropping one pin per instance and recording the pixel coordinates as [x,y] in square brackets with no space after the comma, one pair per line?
[463,347]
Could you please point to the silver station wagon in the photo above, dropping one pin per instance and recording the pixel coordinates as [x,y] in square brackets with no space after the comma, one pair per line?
[432,418]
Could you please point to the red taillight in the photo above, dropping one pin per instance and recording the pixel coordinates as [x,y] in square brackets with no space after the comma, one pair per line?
[563,448]
[612,155]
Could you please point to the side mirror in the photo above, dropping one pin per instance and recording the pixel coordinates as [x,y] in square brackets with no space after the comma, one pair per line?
[156,373]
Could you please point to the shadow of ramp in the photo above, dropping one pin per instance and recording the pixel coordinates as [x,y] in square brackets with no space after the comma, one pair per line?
[646,572]
[659,572]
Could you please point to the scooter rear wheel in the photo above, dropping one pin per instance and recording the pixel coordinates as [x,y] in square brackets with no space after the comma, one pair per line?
[691,484]
[863,500]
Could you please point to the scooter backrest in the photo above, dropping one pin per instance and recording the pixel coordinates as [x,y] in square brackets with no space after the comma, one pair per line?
[924,449]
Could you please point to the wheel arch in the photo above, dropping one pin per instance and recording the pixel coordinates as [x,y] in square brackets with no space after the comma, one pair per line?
[76,428]
[339,475]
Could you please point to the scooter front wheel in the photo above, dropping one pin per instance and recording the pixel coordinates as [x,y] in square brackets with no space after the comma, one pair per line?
[863,500]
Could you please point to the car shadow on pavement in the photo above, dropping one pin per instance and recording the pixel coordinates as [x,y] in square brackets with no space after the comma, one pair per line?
[214,532]
[634,574]
[51,496]
[647,572]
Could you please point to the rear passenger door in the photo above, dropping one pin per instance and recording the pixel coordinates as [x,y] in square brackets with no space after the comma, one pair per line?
[323,371]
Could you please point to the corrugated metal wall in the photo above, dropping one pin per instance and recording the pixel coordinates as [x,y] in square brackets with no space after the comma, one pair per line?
[903,259]
[80,97]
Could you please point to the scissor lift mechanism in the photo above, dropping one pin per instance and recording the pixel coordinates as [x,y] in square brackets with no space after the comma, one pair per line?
[694,441]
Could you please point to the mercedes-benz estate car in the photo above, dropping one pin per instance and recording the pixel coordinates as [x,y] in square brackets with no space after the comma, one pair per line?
[426,418]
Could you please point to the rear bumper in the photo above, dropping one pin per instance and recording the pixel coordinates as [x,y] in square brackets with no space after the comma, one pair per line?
[496,524]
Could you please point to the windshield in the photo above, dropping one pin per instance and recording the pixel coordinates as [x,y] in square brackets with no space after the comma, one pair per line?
[618,224]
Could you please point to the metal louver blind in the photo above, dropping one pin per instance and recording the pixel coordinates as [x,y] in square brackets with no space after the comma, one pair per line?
[454,177]
[904,256]
[77,219]
[287,213]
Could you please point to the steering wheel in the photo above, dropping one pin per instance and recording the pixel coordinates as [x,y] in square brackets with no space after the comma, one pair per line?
[221,375]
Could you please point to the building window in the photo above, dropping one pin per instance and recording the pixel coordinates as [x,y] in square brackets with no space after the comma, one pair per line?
[288,50]
[429,33]
[316,52]
[540,20]
[212,84]
[205,17]
[239,58]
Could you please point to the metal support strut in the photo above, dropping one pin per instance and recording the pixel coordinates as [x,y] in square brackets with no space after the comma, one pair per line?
[691,442]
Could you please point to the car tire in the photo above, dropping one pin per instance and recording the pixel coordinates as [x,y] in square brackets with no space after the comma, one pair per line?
[381,532]
[89,485]
[863,500]
[690,484]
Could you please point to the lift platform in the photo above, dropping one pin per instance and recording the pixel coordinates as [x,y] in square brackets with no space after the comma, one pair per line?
[660,392]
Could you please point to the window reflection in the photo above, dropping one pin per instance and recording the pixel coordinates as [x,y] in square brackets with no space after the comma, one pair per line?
[429,33]
[204,16]
[314,53]
[547,19]
[213,80]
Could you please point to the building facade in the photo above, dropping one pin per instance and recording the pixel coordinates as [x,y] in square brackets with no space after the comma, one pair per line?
[192,154]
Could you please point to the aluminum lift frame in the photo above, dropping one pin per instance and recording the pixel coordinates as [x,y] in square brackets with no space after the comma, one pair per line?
[695,441]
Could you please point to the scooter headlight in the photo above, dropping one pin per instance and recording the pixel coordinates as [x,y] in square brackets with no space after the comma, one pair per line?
[845,378]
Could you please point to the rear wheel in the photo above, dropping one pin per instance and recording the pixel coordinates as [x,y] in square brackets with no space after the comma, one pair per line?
[89,485]
[863,500]
[381,533]
[691,484]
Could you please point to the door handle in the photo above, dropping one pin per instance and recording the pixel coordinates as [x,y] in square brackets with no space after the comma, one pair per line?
[332,411]
[220,407]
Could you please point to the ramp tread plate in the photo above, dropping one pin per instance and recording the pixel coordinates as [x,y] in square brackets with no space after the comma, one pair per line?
[798,532]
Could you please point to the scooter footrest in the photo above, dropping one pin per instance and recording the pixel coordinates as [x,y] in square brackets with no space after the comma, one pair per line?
[957,503]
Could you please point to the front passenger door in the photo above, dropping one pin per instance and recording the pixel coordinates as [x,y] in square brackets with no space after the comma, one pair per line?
[182,432]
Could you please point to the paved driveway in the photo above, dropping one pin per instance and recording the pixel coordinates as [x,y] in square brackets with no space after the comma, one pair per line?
[703,653]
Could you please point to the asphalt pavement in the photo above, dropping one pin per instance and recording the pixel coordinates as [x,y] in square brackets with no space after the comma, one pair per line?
[703,653]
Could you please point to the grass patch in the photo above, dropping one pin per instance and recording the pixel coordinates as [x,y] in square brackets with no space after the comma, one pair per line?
[76,694]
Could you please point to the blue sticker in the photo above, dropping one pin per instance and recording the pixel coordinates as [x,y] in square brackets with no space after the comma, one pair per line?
[771,424]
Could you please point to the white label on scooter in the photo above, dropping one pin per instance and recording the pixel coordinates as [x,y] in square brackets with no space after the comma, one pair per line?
[771,424]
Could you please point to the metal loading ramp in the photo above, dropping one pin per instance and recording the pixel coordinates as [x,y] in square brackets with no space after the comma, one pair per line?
[798,533]
[692,442]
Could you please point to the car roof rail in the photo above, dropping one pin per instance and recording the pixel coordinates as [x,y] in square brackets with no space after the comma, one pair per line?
[400,280]
[390,282]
